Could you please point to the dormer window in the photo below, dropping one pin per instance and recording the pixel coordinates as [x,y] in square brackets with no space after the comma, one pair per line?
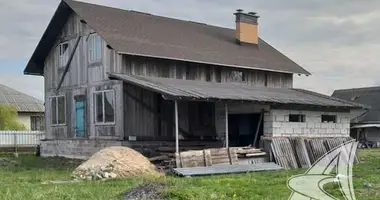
[95,48]
[63,54]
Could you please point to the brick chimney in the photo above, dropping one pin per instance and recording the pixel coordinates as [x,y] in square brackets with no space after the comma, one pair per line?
[247,27]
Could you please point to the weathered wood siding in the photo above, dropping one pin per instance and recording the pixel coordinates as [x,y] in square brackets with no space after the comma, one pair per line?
[83,78]
[136,65]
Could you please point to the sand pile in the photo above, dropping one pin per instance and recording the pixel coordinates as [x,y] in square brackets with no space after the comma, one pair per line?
[115,162]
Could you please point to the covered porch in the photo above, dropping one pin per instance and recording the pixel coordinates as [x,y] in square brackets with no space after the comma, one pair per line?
[180,112]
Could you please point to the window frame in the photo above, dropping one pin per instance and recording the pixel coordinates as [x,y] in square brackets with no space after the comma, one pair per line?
[92,45]
[103,92]
[329,122]
[56,110]
[301,118]
[33,122]
[66,54]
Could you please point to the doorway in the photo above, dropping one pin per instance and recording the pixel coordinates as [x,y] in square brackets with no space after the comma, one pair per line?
[80,122]
[242,129]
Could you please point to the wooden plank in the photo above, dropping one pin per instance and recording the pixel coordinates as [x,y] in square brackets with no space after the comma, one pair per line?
[283,153]
[226,169]
[207,157]
[301,153]
[192,159]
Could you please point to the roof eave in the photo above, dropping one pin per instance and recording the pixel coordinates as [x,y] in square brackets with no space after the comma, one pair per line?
[36,63]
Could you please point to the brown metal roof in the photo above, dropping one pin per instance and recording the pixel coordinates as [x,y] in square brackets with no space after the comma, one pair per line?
[136,33]
[199,90]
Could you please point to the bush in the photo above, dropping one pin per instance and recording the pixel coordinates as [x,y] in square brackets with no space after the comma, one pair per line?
[8,118]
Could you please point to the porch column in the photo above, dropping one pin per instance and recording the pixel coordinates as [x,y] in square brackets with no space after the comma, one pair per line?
[226,112]
[176,126]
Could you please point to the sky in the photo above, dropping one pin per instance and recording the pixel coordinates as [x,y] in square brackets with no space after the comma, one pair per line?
[337,40]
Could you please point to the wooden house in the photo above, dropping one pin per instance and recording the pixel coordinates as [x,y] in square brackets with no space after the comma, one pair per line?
[118,77]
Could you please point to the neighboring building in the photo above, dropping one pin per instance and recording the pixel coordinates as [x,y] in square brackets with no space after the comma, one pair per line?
[30,110]
[366,125]
[117,77]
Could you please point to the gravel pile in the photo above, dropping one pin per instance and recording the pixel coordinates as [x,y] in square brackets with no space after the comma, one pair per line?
[115,162]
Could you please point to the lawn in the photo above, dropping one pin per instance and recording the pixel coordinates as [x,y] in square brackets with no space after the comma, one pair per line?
[25,178]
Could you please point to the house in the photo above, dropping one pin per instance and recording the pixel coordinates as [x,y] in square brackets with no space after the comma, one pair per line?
[118,77]
[30,110]
[366,125]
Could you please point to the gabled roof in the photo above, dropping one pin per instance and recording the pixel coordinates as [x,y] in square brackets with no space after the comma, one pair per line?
[135,33]
[23,102]
[369,96]
[198,90]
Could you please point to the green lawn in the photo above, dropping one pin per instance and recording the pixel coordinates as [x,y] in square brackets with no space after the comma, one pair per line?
[23,178]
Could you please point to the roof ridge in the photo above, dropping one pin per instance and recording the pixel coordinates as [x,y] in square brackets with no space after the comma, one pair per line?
[148,14]
[359,89]
[17,91]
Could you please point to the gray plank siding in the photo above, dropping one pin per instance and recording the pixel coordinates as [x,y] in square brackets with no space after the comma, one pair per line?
[138,119]
[136,65]
[83,78]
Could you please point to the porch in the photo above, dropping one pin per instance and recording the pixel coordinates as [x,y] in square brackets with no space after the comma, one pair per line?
[179,112]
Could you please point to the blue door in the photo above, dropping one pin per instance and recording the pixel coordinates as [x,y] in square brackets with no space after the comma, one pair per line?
[80,127]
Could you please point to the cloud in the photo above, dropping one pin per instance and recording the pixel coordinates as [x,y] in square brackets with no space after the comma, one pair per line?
[335,40]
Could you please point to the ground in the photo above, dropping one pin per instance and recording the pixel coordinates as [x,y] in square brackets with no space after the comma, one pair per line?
[26,178]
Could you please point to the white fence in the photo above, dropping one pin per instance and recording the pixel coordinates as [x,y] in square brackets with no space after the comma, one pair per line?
[19,139]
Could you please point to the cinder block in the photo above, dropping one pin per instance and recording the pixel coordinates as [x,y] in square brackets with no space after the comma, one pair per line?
[310,125]
[306,131]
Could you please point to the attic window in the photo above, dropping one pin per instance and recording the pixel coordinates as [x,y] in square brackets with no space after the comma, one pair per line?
[63,53]
[237,76]
[94,48]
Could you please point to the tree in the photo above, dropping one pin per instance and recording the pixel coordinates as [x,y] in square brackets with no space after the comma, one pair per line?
[8,118]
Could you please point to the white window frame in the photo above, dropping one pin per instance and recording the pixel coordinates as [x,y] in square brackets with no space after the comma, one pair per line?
[56,110]
[92,57]
[103,107]
[64,57]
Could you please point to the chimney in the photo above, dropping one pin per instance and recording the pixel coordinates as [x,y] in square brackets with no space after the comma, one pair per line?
[247,27]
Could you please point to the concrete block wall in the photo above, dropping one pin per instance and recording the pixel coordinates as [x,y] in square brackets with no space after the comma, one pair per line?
[78,149]
[276,124]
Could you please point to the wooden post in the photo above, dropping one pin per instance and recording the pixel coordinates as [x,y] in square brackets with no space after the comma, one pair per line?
[176,127]
[226,112]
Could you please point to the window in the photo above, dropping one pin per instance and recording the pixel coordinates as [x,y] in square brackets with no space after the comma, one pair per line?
[37,123]
[237,76]
[328,118]
[105,107]
[296,118]
[58,110]
[94,48]
[63,53]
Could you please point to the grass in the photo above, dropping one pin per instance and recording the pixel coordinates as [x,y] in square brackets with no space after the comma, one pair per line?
[23,177]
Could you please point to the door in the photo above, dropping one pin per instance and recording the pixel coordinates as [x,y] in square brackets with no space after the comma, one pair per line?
[80,127]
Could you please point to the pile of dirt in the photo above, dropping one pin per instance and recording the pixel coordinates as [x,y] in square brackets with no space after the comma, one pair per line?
[149,191]
[115,162]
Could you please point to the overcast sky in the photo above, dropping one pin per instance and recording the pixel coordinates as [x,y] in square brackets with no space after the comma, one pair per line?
[337,40]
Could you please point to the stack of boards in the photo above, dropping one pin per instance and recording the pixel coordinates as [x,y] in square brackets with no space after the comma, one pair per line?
[292,153]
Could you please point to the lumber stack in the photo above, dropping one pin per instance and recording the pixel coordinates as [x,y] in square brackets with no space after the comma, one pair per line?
[291,153]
